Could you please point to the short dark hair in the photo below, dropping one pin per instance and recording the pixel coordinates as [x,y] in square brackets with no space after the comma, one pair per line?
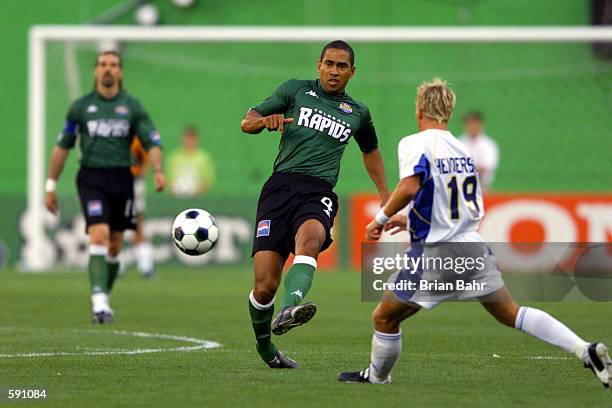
[473,115]
[340,45]
[109,52]
[191,130]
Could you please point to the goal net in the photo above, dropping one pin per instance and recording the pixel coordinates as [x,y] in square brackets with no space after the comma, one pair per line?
[545,95]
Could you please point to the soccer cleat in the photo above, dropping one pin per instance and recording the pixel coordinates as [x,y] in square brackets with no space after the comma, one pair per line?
[281,361]
[293,316]
[596,357]
[102,317]
[362,376]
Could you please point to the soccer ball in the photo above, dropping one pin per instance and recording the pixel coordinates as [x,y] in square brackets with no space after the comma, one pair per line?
[195,231]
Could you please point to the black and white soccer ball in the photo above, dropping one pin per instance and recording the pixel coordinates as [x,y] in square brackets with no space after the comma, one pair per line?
[195,231]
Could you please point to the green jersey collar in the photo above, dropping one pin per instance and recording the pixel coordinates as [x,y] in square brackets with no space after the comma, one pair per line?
[328,95]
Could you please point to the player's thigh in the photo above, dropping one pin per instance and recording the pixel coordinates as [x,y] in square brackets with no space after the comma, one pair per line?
[268,269]
[390,312]
[501,305]
[313,221]
[310,237]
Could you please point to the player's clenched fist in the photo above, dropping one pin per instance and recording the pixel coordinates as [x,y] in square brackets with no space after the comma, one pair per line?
[275,122]
[373,231]
[51,202]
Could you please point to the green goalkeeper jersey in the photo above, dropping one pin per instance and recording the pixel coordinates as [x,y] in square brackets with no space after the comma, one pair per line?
[105,129]
[322,126]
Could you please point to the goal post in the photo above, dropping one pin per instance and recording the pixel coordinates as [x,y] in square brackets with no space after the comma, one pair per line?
[37,250]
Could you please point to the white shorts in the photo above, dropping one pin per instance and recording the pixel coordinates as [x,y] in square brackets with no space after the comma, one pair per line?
[140,194]
[434,286]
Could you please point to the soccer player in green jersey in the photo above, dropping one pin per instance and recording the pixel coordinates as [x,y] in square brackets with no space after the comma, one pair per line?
[296,208]
[105,121]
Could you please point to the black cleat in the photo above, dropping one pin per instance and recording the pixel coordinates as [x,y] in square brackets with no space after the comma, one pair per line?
[281,361]
[293,316]
[101,317]
[362,376]
[596,358]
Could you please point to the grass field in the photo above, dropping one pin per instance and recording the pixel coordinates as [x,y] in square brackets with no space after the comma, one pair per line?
[447,358]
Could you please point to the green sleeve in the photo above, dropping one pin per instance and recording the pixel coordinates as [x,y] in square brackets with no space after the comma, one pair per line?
[68,136]
[366,135]
[280,100]
[145,129]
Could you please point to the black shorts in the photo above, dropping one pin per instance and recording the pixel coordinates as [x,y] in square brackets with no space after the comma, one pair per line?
[285,202]
[107,197]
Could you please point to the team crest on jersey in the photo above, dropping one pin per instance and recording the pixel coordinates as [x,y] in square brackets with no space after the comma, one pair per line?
[92,109]
[155,137]
[345,107]
[263,228]
[94,208]
[121,110]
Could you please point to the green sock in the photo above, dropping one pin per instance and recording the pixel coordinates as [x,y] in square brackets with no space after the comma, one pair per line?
[261,320]
[113,272]
[298,282]
[98,273]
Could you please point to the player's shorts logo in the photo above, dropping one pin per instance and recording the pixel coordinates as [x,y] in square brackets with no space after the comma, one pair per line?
[263,228]
[94,208]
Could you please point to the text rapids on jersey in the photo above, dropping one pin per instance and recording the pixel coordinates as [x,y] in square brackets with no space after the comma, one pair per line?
[423,285]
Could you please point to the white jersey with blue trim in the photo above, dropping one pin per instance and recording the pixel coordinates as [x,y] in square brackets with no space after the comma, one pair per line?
[448,207]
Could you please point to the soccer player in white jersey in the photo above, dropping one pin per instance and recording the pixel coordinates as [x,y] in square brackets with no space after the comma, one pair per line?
[438,175]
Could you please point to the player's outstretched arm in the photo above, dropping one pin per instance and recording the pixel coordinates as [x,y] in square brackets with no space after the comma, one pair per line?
[56,165]
[375,166]
[156,157]
[400,197]
[254,122]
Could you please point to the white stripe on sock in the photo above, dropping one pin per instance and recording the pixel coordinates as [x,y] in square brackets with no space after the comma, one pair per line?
[98,250]
[112,259]
[303,259]
[258,305]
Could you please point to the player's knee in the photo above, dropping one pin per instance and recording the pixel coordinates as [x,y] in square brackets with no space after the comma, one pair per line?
[265,289]
[99,236]
[114,248]
[384,322]
[309,246]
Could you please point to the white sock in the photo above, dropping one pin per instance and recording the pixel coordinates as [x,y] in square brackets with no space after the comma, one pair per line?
[546,328]
[386,348]
[99,302]
[144,257]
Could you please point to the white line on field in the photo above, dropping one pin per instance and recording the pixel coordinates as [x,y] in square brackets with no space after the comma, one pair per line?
[549,358]
[199,344]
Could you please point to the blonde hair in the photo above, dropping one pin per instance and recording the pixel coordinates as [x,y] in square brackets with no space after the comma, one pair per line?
[435,100]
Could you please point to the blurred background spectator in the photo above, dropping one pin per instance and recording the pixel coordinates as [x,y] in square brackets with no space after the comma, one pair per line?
[190,168]
[483,148]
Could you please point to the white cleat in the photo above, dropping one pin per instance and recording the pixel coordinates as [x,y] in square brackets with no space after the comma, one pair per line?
[595,356]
